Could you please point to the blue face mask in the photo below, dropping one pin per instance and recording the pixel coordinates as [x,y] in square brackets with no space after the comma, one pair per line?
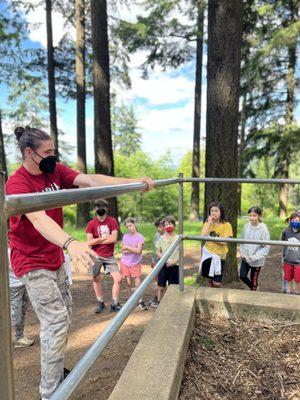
[295,225]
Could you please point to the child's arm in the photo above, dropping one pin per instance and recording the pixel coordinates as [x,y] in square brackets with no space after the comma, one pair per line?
[91,241]
[206,227]
[159,252]
[135,250]
[112,238]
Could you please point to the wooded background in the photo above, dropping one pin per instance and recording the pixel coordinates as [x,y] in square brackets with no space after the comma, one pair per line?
[252,82]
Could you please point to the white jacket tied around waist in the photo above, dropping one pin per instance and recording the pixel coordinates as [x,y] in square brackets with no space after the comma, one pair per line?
[215,266]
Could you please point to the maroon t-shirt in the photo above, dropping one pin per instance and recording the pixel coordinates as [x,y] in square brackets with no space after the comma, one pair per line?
[29,249]
[101,229]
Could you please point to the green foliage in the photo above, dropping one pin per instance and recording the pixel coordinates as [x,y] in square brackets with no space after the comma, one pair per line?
[125,135]
[158,202]
[165,33]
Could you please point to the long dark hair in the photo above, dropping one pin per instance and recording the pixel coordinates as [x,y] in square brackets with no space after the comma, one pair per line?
[256,210]
[220,206]
[29,137]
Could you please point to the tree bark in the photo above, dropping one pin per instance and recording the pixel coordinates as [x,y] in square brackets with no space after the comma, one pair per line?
[223,83]
[83,210]
[3,165]
[51,77]
[101,76]
[195,193]
[241,161]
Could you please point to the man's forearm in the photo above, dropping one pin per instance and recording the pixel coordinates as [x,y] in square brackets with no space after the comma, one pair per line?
[48,228]
[93,180]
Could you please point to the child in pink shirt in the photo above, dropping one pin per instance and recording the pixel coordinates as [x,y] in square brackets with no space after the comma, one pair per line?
[132,247]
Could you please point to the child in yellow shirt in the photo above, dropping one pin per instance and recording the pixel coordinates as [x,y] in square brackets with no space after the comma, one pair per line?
[212,264]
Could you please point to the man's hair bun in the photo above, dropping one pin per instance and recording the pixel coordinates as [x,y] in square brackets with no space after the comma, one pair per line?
[19,132]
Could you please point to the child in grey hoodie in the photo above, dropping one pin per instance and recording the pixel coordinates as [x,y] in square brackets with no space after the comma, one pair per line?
[253,255]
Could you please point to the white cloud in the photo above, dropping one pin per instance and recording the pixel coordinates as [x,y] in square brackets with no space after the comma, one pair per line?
[37,19]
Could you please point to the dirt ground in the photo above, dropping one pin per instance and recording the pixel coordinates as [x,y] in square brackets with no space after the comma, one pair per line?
[242,359]
[87,326]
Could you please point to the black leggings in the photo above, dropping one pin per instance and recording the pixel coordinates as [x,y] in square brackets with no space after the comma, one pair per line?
[252,283]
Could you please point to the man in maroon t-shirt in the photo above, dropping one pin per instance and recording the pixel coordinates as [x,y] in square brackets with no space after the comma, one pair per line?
[37,240]
[102,234]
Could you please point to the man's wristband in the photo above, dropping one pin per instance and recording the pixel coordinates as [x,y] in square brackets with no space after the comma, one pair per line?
[67,242]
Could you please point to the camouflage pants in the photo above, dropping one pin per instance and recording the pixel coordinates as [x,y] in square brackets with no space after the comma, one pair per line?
[51,300]
[18,306]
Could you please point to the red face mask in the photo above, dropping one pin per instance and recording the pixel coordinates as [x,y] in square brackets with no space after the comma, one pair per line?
[169,229]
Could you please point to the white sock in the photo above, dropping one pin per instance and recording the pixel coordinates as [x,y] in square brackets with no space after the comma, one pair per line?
[115,301]
[100,299]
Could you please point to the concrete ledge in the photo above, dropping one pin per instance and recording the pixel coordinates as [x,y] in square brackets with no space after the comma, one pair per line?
[154,371]
[261,306]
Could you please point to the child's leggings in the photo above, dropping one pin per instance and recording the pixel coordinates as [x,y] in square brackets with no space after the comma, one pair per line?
[252,283]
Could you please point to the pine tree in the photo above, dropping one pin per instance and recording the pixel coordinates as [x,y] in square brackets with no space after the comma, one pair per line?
[223,73]
[101,77]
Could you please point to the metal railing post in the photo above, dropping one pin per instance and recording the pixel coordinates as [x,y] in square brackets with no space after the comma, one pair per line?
[180,230]
[6,364]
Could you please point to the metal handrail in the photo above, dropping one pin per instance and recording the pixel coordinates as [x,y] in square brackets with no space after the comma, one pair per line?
[68,386]
[243,180]
[24,203]
[237,240]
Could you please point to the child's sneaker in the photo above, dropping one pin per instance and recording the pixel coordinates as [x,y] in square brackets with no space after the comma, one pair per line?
[23,342]
[100,307]
[115,307]
[153,302]
[143,306]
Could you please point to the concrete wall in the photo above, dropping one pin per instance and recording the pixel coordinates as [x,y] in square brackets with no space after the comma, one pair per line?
[260,306]
[154,371]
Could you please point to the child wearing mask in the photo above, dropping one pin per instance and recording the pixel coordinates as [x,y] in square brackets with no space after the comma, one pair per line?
[170,271]
[132,247]
[102,235]
[291,254]
[253,255]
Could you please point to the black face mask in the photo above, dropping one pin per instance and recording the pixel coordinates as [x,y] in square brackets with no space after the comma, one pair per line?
[47,164]
[101,212]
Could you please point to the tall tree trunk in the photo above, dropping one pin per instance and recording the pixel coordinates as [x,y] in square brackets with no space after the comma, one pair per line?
[51,77]
[289,115]
[195,193]
[243,121]
[3,166]
[223,83]
[83,210]
[102,123]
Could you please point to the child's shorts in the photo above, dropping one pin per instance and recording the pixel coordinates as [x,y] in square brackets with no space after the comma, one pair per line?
[291,272]
[206,267]
[109,265]
[168,275]
[133,272]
